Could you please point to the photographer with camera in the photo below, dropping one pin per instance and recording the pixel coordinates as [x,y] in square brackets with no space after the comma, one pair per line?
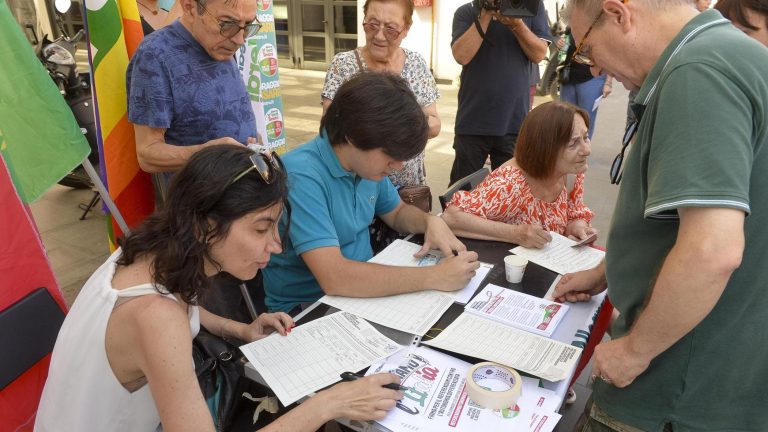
[495,41]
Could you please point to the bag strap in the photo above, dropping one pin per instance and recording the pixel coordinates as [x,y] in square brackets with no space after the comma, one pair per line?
[359,62]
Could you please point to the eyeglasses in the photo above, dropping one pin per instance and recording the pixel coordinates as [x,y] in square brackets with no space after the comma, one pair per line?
[616,165]
[390,33]
[580,57]
[268,165]
[229,29]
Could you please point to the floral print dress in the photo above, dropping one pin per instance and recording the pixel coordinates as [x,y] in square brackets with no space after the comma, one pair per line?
[416,73]
[505,196]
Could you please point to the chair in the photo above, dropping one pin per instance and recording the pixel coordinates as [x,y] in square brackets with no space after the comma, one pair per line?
[466,184]
[28,331]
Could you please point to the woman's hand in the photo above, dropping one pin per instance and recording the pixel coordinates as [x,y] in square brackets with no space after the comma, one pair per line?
[579,229]
[363,399]
[531,236]
[267,323]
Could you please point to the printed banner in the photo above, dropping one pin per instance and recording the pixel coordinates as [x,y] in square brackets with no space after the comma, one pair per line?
[257,60]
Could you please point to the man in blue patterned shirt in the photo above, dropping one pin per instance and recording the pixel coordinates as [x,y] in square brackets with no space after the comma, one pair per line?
[185,91]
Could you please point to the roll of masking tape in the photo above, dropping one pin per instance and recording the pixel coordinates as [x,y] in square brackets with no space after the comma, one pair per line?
[493,386]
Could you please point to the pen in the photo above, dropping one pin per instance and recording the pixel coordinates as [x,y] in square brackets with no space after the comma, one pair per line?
[351,376]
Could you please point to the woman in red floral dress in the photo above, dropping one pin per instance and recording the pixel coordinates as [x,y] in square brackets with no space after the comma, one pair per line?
[539,190]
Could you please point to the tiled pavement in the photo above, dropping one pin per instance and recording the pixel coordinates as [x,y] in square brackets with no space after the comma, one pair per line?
[76,248]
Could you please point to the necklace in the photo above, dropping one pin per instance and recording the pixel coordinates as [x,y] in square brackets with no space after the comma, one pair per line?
[154,11]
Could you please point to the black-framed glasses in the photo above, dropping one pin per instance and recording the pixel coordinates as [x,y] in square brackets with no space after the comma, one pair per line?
[390,33]
[629,133]
[268,165]
[229,29]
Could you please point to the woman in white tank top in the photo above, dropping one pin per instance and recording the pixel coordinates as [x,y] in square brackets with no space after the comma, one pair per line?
[123,358]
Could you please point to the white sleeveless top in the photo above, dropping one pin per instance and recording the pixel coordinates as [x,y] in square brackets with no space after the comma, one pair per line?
[82,393]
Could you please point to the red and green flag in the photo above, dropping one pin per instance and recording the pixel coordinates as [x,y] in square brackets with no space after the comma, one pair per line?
[114,32]
[40,140]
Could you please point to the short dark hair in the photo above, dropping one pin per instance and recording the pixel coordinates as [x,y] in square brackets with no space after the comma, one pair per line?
[544,133]
[406,4]
[734,10]
[377,111]
[201,205]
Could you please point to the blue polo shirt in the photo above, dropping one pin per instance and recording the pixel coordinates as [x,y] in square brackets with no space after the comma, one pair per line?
[330,207]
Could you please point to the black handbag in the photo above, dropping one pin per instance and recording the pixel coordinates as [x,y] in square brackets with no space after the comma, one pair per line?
[217,372]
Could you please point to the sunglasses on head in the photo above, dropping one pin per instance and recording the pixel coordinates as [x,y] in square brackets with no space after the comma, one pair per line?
[268,165]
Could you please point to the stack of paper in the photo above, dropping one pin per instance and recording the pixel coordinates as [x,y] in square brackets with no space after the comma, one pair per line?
[486,339]
[315,353]
[401,253]
[560,255]
[413,313]
[517,309]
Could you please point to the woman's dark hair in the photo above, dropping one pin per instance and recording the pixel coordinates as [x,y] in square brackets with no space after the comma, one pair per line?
[406,4]
[377,111]
[734,10]
[544,133]
[201,205]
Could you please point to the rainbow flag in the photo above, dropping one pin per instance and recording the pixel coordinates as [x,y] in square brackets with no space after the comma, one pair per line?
[114,32]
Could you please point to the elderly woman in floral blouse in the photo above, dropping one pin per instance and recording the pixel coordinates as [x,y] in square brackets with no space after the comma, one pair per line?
[386,24]
[539,190]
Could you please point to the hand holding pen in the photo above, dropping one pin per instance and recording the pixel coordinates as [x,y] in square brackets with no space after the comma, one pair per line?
[351,376]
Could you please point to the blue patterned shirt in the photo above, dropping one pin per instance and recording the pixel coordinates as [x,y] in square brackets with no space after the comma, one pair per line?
[174,84]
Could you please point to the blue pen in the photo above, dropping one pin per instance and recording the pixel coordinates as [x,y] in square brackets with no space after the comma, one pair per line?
[351,376]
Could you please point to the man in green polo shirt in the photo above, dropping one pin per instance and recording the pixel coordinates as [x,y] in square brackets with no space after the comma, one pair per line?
[687,262]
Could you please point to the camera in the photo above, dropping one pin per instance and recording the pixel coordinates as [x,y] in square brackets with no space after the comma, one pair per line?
[510,8]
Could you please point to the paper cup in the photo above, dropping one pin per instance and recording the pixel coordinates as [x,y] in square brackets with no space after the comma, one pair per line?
[514,267]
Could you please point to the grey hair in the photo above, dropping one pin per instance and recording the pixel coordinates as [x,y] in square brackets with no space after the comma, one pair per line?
[592,7]
[201,4]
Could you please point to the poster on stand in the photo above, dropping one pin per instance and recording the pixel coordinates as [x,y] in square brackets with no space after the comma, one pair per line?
[257,60]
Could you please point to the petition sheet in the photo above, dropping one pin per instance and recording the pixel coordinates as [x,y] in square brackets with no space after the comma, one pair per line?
[314,354]
[413,313]
[560,257]
[437,399]
[482,338]
[400,253]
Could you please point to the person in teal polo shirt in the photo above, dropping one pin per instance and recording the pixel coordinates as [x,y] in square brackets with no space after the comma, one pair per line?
[686,256]
[338,181]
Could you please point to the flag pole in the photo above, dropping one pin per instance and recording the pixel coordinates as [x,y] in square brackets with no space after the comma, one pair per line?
[96,179]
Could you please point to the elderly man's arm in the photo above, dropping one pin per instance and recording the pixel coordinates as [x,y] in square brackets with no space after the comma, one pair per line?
[467,45]
[533,46]
[155,155]
[708,249]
